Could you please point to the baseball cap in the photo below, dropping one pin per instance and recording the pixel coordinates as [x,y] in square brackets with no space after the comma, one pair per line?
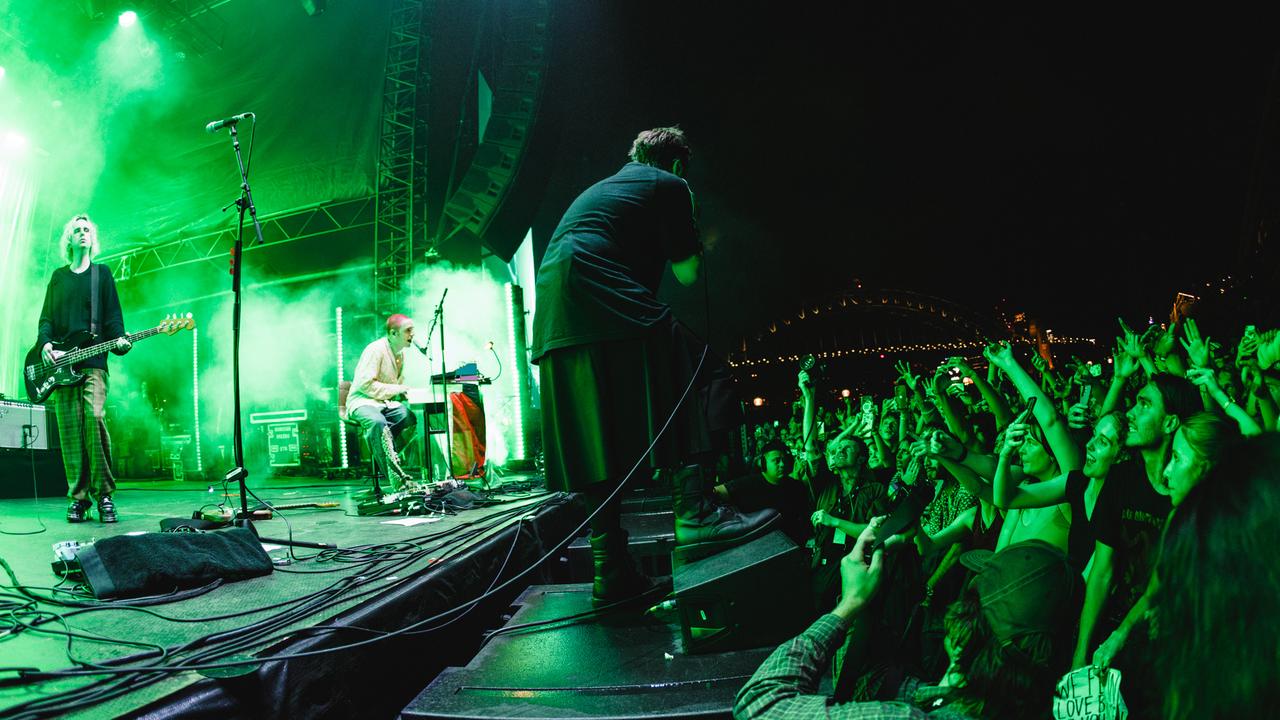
[1028,587]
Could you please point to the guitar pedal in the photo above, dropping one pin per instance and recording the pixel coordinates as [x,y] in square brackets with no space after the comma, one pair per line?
[66,560]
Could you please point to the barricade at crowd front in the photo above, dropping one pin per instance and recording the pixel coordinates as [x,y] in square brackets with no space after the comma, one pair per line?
[1095,539]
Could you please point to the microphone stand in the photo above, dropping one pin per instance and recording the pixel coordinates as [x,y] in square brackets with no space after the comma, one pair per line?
[444,378]
[427,442]
[239,474]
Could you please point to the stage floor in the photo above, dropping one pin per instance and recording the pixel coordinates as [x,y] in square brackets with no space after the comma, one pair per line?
[619,665]
[406,572]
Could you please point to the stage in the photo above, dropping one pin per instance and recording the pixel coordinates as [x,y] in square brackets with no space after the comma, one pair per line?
[374,593]
[619,665]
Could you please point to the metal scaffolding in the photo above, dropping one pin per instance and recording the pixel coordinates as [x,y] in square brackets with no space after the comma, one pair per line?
[401,177]
[279,228]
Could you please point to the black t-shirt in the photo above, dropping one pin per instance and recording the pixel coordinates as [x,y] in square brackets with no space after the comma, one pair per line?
[599,278]
[1080,537]
[67,308]
[789,497]
[1129,517]
[867,498]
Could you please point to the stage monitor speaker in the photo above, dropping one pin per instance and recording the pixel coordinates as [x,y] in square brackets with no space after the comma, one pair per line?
[754,595]
[17,468]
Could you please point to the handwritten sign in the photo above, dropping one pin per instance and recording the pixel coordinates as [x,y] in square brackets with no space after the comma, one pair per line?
[1089,694]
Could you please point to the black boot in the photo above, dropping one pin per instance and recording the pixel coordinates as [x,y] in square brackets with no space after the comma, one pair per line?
[76,512]
[106,509]
[616,575]
[705,528]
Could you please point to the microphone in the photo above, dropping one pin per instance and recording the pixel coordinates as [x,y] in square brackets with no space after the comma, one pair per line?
[421,348]
[217,125]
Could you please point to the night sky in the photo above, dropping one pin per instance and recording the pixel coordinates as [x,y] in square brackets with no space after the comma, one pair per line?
[1077,165]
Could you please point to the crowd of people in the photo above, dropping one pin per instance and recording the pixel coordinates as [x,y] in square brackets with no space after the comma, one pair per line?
[996,529]
[1093,517]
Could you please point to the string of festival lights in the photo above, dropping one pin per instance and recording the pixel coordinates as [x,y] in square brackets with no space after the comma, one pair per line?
[896,349]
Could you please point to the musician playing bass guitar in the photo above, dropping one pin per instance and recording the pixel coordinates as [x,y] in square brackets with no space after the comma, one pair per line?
[82,296]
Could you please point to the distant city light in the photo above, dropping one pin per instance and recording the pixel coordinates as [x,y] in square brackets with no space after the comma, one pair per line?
[845,393]
[128,18]
[759,401]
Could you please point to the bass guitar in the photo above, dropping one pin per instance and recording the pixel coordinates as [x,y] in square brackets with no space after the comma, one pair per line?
[42,377]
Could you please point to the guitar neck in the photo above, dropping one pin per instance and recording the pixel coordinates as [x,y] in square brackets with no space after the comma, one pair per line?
[83,354]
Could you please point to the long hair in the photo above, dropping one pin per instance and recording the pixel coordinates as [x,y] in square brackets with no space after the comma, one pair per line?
[66,237]
[1218,608]
[1209,435]
[1001,681]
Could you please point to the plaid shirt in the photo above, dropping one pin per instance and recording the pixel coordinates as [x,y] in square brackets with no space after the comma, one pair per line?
[786,685]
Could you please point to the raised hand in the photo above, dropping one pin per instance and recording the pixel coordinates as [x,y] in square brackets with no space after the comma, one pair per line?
[860,572]
[1014,437]
[1247,349]
[863,426]
[999,354]
[942,444]
[1080,416]
[959,364]
[1125,364]
[1197,347]
[1204,378]
[904,371]
[805,383]
[1250,378]
[912,473]
[1268,349]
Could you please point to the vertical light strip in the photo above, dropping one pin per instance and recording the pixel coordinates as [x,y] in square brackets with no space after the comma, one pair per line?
[21,283]
[342,430]
[515,360]
[195,394]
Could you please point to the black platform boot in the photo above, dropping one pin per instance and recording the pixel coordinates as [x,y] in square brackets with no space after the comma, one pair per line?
[616,576]
[704,528]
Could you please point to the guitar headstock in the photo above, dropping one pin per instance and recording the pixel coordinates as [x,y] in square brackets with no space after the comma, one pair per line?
[174,322]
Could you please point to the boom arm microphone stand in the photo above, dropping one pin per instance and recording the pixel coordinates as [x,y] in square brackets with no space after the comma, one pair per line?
[238,473]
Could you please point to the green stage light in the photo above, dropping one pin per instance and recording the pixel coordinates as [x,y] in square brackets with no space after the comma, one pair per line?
[1,72]
[128,18]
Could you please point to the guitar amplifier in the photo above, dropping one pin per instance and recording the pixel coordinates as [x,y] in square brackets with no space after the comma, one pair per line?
[23,426]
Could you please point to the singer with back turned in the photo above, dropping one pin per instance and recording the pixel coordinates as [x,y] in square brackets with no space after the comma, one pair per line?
[376,401]
[614,364]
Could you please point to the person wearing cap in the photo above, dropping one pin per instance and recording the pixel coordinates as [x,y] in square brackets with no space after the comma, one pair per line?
[377,401]
[1005,651]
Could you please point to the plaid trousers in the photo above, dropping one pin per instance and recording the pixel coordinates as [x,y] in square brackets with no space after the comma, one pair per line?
[82,430]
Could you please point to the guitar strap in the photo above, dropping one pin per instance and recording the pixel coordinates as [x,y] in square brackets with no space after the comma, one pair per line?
[93,300]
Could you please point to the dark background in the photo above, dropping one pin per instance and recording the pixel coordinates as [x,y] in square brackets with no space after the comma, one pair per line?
[1076,165]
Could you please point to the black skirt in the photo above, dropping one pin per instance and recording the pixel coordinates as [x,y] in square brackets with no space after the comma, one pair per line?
[604,403]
